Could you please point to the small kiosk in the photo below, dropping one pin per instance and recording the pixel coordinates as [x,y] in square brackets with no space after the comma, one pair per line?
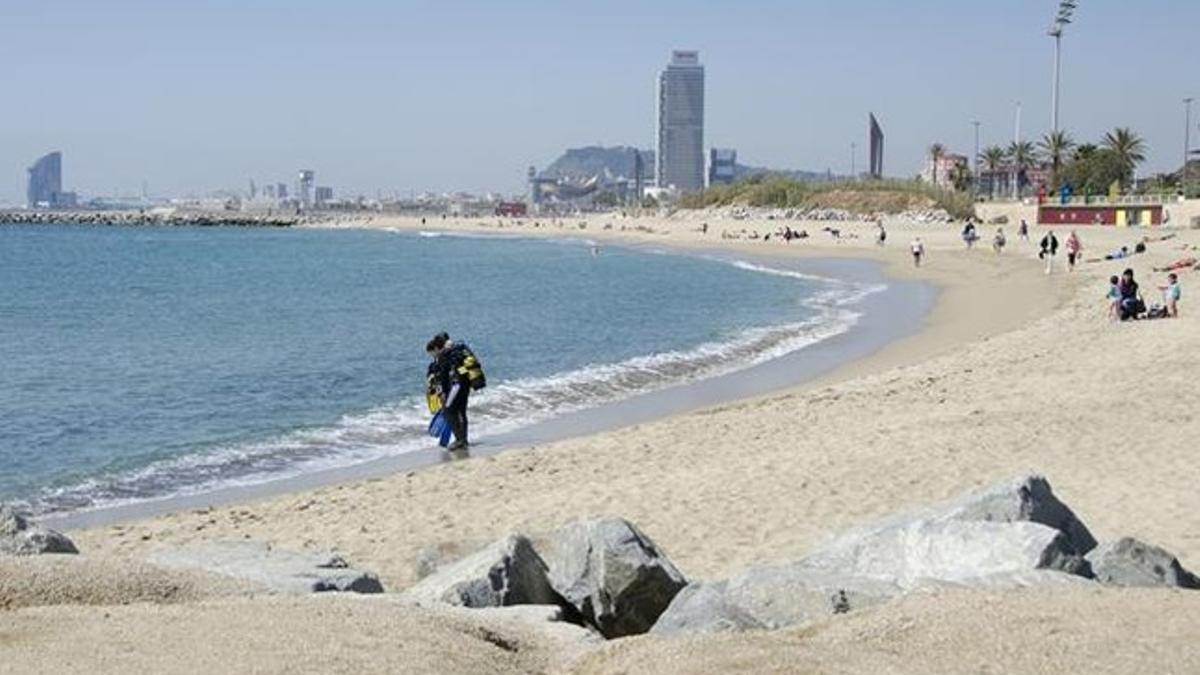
[1120,215]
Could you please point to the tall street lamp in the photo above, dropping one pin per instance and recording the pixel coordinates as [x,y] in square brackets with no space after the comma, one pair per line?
[975,176]
[1066,9]
[1187,145]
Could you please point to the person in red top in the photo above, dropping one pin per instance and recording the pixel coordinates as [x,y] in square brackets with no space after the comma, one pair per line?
[1074,247]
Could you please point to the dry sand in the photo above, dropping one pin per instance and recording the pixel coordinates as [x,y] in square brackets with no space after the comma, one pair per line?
[1015,372]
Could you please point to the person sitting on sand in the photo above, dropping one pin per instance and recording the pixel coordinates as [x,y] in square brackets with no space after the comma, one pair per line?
[918,251]
[1132,305]
[999,241]
[1113,297]
[1171,295]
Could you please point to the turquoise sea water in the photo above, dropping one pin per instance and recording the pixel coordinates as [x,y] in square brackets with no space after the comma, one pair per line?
[140,363]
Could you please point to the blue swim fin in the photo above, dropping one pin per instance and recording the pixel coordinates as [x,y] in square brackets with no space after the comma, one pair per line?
[439,428]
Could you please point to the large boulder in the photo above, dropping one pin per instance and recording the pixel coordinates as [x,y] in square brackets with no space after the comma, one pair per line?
[948,550]
[1129,562]
[704,608]
[612,574]
[508,572]
[770,597]
[275,569]
[18,536]
[1026,499]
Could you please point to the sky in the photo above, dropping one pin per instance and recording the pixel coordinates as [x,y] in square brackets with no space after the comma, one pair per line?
[393,96]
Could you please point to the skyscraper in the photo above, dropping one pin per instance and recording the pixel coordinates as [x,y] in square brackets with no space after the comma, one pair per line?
[681,123]
[45,181]
[305,188]
[722,166]
[876,148]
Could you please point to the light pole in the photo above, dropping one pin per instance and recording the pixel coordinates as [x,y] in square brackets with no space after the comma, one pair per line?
[1016,163]
[1066,8]
[853,153]
[975,171]
[1187,145]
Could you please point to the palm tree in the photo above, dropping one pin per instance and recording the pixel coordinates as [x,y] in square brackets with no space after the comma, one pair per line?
[936,152]
[1055,146]
[1130,147]
[993,157]
[1084,152]
[1022,154]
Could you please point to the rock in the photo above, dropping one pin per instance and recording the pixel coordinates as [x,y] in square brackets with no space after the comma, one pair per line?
[1129,562]
[275,569]
[612,574]
[770,597]
[18,536]
[1024,499]
[508,572]
[704,608]
[1008,581]
[948,550]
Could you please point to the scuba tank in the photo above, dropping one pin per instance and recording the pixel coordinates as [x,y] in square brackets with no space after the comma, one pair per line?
[468,366]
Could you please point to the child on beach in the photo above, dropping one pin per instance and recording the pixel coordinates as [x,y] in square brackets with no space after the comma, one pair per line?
[918,251]
[1114,297]
[999,241]
[1171,295]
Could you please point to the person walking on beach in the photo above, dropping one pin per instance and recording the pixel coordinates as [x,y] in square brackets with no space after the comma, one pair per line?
[1023,231]
[881,236]
[1074,246]
[999,241]
[918,251]
[457,372]
[968,234]
[1049,249]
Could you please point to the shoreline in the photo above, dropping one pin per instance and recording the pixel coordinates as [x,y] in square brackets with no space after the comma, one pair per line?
[897,313]
[940,329]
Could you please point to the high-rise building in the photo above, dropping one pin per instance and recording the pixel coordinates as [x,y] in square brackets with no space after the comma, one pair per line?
[639,176]
[324,195]
[722,166]
[305,188]
[45,181]
[681,123]
[876,145]
[281,191]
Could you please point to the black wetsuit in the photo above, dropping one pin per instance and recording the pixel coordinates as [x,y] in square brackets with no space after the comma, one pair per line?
[456,409]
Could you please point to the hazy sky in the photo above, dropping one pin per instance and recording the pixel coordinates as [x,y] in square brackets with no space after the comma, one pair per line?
[397,96]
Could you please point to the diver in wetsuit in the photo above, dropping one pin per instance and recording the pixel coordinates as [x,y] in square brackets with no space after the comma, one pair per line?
[457,372]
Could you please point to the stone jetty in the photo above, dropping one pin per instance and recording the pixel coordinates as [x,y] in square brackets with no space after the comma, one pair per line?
[155,217]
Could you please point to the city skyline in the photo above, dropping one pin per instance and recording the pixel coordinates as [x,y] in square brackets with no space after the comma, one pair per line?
[398,97]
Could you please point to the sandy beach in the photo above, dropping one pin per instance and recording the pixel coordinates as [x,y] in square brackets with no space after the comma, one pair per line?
[1014,372]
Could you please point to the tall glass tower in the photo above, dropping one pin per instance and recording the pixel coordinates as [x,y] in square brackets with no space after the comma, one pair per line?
[681,123]
[45,181]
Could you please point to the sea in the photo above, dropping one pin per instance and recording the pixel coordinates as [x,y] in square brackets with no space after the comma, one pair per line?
[145,363]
